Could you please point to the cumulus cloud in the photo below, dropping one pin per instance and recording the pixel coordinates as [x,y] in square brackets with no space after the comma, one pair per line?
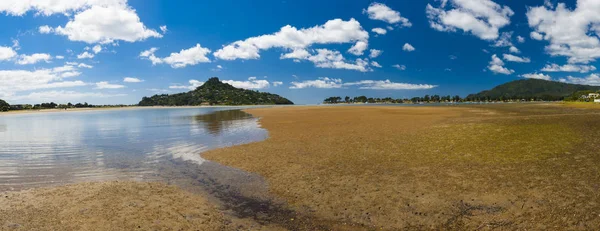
[514,50]
[7,53]
[193,85]
[289,38]
[90,21]
[61,96]
[106,85]
[164,29]
[408,47]
[333,59]
[96,49]
[482,18]
[553,67]
[59,57]
[375,53]
[388,85]
[34,58]
[536,76]
[513,58]
[497,66]
[85,55]
[45,29]
[358,48]
[592,79]
[399,67]
[375,64]
[251,83]
[520,39]
[570,33]
[183,58]
[379,11]
[83,65]
[321,82]
[14,81]
[379,31]
[132,80]
[277,83]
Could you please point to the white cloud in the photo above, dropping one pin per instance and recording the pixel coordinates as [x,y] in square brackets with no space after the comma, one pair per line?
[379,31]
[520,39]
[191,56]
[277,83]
[59,57]
[536,76]
[513,58]
[505,40]
[379,11]
[83,65]
[334,59]
[106,85]
[219,66]
[399,67]
[252,83]
[34,58]
[388,85]
[132,80]
[193,85]
[288,37]
[96,49]
[358,48]
[106,24]
[570,33]
[553,67]
[45,29]
[47,8]
[85,55]
[536,36]
[321,82]
[375,64]
[375,53]
[482,18]
[408,47]
[296,54]
[497,66]
[164,29]
[16,45]
[14,81]
[7,53]
[514,50]
[60,96]
[592,79]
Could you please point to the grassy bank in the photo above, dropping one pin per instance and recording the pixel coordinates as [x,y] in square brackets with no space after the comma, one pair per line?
[493,166]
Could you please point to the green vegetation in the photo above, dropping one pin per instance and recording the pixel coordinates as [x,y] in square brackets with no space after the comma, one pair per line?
[531,90]
[215,92]
[4,106]
[390,100]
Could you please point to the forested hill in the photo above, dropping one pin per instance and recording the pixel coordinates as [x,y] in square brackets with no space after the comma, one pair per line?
[215,92]
[4,106]
[531,89]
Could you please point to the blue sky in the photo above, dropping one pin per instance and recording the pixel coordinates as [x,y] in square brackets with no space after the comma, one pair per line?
[117,51]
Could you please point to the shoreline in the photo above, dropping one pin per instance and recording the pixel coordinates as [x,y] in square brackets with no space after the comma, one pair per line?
[41,111]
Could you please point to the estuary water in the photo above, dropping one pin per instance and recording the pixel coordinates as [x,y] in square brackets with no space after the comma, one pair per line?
[146,144]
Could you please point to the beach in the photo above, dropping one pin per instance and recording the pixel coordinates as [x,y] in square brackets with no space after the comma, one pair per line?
[505,166]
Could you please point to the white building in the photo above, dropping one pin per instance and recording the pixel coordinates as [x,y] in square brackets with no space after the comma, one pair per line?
[593,95]
[597,101]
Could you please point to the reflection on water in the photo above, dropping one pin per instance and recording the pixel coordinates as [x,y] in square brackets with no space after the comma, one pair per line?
[141,144]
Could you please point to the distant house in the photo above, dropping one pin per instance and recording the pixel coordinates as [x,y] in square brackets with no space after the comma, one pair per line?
[593,95]
[597,101]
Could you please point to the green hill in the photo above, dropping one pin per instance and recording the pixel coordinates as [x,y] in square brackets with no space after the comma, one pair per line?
[531,89]
[4,106]
[215,92]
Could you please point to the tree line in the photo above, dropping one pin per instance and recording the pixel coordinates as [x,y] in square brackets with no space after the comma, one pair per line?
[4,106]
[364,99]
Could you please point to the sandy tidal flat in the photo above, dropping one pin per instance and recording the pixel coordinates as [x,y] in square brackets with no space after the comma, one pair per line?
[468,167]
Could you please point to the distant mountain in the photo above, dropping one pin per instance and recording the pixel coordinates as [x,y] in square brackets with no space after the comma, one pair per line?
[4,106]
[215,92]
[531,89]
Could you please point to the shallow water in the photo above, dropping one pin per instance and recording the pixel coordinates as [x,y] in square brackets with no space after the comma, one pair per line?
[163,144]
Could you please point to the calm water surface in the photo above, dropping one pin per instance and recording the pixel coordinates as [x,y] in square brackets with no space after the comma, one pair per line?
[44,149]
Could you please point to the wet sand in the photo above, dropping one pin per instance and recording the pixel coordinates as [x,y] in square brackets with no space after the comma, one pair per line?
[110,206]
[505,166]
